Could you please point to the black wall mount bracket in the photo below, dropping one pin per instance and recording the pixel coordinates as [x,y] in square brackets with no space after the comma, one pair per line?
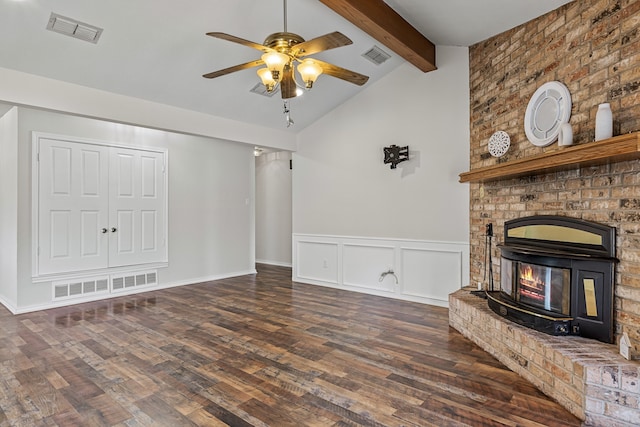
[395,154]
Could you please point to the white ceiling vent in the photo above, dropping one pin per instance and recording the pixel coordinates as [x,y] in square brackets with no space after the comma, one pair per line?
[260,89]
[376,55]
[71,27]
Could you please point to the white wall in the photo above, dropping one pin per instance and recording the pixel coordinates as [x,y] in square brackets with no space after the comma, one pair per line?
[210,193]
[8,207]
[341,186]
[273,208]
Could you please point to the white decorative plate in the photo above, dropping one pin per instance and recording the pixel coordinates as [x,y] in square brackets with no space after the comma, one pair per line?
[548,108]
[499,143]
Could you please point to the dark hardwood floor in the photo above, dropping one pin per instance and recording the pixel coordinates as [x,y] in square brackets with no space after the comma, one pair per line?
[255,351]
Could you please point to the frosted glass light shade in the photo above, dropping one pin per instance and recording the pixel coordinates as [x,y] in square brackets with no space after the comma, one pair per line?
[275,62]
[267,79]
[309,71]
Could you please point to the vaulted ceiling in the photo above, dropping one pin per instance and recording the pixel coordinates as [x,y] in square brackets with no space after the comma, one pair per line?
[157,49]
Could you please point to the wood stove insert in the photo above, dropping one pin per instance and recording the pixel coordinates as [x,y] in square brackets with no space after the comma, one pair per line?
[557,276]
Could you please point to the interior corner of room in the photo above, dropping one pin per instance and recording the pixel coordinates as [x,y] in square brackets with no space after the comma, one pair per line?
[120,189]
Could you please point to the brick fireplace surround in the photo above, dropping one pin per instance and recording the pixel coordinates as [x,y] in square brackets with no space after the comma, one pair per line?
[593,47]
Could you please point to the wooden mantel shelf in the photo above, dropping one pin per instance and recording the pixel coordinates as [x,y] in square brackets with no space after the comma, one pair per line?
[618,148]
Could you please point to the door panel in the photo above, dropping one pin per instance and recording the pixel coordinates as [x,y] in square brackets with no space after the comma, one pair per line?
[60,234]
[137,205]
[99,206]
[73,206]
[61,170]
[125,230]
[91,170]
[149,176]
[124,180]
[149,230]
[90,233]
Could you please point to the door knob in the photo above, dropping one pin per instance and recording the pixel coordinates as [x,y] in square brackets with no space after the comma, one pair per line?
[104,230]
[113,229]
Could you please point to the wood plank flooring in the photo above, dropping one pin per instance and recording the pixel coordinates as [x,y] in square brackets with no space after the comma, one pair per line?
[256,350]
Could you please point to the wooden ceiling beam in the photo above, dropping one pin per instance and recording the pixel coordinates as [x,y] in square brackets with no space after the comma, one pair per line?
[384,24]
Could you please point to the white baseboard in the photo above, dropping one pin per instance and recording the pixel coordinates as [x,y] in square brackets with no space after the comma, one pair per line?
[68,302]
[9,306]
[197,280]
[276,263]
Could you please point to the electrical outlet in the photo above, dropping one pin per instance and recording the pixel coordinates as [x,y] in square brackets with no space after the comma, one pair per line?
[325,264]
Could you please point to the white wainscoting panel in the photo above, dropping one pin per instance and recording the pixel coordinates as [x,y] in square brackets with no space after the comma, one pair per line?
[431,273]
[421,271]
[318,261]
[356,266]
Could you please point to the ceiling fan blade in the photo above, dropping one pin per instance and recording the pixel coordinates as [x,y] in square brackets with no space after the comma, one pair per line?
[320,44]
[342,73]
[287,84]
[234,39]
[233,69]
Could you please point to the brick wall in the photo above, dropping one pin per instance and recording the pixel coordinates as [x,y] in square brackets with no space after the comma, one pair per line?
[587,377]
[593,47]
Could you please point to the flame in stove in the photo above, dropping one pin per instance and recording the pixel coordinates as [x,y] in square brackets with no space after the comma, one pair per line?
[527,274]
[531,286]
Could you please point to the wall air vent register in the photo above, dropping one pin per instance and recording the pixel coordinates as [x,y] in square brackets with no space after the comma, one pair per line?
[72,28]
[108,284]
[376,55]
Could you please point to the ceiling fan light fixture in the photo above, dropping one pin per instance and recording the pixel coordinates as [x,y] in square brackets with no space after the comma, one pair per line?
[275,62]
[309,71]
[279,52]
[267,79]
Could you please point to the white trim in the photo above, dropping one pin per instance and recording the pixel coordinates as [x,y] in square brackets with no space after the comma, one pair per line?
[331,237]
[369,291]
[276,263]
[56,304]
[29,90]
[375,245]
[197,280]
[35,204]
[108,271]
[8,305]
[296,266]
[459,278]
[65,303]
[425,283]
[37,135]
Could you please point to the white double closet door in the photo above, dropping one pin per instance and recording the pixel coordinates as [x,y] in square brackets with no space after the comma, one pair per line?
[99,206]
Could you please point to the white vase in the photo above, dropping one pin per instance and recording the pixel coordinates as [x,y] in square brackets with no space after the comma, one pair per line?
[604,122]
[565,137]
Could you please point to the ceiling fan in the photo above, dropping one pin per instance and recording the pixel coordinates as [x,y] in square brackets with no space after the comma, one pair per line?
[282,50]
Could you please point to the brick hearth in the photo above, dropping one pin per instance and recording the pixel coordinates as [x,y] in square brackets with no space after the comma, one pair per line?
[587,377]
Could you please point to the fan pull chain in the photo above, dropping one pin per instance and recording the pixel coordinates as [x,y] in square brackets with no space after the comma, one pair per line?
[287,113]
